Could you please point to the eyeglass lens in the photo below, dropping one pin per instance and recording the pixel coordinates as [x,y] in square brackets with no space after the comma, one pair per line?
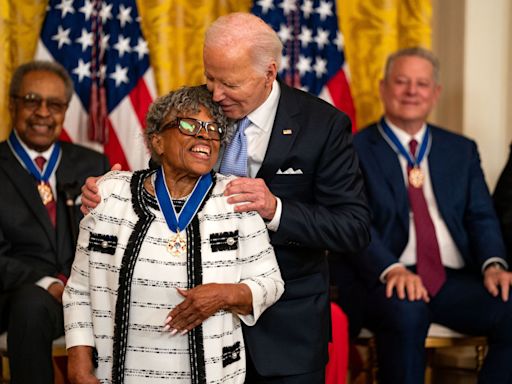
[33,101]
[192,127]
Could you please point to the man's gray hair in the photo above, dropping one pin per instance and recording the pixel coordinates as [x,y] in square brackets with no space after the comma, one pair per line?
[417,52]
[40,65]
[180,102]
[246,30]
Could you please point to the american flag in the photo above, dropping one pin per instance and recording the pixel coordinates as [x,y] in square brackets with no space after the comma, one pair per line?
[101,45]
[313,55]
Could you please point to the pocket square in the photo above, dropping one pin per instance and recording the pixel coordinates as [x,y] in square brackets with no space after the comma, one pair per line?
[290,171]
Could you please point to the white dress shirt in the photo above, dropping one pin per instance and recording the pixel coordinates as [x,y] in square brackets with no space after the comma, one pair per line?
[46,281]
[258,135]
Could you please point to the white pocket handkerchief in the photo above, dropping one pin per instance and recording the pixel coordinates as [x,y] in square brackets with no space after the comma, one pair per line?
[290,171]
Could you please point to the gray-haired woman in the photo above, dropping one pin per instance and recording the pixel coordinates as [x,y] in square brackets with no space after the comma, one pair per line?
[165,270]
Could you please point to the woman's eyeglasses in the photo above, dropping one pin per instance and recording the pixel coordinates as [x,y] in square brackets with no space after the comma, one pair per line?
[33,101]
[192,127]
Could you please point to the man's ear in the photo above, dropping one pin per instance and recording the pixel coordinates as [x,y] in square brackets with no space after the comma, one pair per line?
[271,74]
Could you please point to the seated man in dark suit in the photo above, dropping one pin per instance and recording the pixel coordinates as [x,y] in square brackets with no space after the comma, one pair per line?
[436,253]
[503,202]
[38,173]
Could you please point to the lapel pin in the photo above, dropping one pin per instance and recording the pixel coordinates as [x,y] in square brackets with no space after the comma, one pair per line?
[287,131]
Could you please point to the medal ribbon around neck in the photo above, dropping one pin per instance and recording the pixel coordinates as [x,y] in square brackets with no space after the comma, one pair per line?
[404,152]
[174,221]
[24,157]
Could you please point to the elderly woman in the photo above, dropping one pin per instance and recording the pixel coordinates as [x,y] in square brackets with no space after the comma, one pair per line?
[165,270]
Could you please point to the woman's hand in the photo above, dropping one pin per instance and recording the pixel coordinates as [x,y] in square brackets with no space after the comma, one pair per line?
[204,300]
[80,365]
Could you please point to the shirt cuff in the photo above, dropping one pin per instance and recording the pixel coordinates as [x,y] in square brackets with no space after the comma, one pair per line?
[273,225]
[498,260]
[382,276]
[46,281]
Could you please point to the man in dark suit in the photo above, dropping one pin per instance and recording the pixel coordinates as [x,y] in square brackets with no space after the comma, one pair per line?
[436,253]
[503,202]
[302,177]
[36,236]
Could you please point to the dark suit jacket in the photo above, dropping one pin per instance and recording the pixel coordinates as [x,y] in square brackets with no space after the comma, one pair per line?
[503,202]
[459,188]
[30,248]
[323,208]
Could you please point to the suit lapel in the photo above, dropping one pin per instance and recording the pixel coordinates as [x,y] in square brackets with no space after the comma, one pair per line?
[63,174]
[25,184]
[284,132]
[387,160]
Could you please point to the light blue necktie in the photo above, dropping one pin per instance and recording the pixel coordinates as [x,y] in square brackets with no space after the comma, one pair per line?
[234,161]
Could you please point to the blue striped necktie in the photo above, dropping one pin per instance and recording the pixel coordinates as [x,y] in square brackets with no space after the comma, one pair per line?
[234,161]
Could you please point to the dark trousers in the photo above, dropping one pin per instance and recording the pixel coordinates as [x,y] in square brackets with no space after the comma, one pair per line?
[32,319]
[253,377]
[463,304]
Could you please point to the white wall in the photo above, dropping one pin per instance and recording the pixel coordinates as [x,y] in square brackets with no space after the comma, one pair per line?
[487,79]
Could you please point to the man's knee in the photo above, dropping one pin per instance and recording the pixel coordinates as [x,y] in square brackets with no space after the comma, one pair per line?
[32,303]
[403,317]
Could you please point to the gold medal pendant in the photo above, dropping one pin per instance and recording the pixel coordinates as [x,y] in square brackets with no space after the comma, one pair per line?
[45,192]
[177,245]
[416,177]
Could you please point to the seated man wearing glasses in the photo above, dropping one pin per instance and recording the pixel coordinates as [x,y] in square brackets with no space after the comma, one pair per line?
[39,177]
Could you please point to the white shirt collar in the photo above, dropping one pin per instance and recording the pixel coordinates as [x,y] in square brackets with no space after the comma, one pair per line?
[404,137]
[32,152]
[263,116]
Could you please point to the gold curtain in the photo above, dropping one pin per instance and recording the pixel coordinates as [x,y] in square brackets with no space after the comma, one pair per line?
[175,29]
[372,30]
[20,23]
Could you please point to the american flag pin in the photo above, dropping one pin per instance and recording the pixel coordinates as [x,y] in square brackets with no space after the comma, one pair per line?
[287,131]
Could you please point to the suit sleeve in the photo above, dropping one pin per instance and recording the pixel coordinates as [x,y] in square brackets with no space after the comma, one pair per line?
[14,272]
[260,271]
[503,202]
[338,217]
[480,217]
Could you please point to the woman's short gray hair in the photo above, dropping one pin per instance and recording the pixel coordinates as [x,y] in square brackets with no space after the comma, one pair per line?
[185,100]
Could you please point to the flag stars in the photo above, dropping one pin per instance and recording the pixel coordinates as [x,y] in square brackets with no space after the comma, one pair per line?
[62,36]
[307,8]
[65,6]
[85,39]
[285,63]
[266,5]
[305,36]
[320,67]
[324,9]
[120,75]
[124,15]
[288,6]
[303,65]
[83,70]
[285,33]
[104,41]
[123,45]
[322,38]
[339,41]
[106,12]
[87,9]
[141,48]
